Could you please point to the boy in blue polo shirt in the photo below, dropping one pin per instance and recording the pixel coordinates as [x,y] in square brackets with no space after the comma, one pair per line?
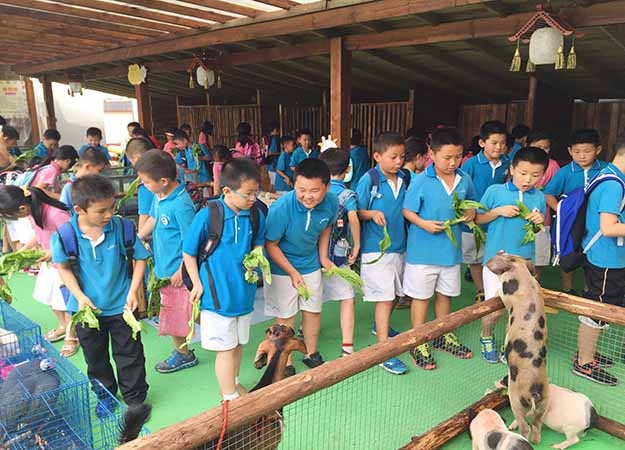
[379,206]
[488,167]
[360,156]
[304,150]
[192,158]
[432,261]
[170,217]
[226,319]
[135,148]
[100,280]
[584,148]
[48,145]
[505,229]
[91,162]
[284,174]
[94,139]
[604,268]
[298,224]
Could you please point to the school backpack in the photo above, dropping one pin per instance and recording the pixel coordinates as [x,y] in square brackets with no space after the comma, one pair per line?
[18,177]
[215,230]
[569,227]
[341,240]
[196,194]
[69,242]
[375,183]
[250,150]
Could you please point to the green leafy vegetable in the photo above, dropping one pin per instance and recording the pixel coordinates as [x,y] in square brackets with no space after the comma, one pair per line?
[16,261]
[530,227]
[256,260]
[385,244]
[86,317]
[348,275]
[130,193]
[5,292]
[133,323]
[196,150]
[26,156]
[304,292]
[460,208]
[195,314]
[154,290]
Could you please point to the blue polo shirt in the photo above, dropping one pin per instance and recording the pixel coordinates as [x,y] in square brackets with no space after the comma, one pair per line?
[300,155]
[202,171]
[41,151]
[273,147]
[66,194]
[572,176]
[361,163]
[430,198]
[607,252]
[506,233]
[513,151]
[102,268]
[102,148]
[172,218]
[144,200]
[234,294]
[284,165]
[297,229]
[391,205]
[484,174]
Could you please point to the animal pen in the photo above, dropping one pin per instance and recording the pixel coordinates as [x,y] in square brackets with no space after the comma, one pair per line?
[343,404]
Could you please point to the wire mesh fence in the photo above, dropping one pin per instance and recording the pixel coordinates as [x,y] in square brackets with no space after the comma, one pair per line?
[16,332]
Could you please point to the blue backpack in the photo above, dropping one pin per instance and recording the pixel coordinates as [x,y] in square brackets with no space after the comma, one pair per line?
[570,225]
[375,182]
[341,241]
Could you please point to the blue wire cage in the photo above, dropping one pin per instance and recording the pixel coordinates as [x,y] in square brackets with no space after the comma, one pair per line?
[17,332]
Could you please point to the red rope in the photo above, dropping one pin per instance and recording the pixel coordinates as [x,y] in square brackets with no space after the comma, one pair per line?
[224,424]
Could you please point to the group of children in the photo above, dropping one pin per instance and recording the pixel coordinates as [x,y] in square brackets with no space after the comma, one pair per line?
[317,223]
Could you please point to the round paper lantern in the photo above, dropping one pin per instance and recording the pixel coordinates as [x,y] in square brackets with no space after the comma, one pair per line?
[205,78]
[544,45]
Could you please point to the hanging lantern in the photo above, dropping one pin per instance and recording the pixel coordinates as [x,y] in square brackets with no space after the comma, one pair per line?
[205,77]
[203,68]
[544,45]
[137,74]
[75,82]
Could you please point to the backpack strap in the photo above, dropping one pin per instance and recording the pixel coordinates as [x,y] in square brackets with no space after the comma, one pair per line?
[255,222]
[215,230]
[407,176]
[129,235]
[69,242]
[375,186]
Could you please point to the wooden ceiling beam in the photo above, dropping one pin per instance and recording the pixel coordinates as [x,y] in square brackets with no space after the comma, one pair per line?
[186,11]
[619,42]
[95,25]
[84,43]
[497,7]
[284,4]
[228,7]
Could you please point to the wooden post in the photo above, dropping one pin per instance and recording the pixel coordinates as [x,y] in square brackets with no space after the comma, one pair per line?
[531,99]
[177,110]
[208,101]
[410,110]
[258,101]
[48,99]
[32,110]
[577,305]
[142,94]
[340,91]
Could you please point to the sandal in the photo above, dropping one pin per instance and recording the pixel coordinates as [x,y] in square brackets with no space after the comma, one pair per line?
[70,347]
[58,334]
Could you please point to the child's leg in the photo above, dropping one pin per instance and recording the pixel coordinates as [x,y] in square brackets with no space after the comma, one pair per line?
[95,348]
[476,273]
[567,280]
[419,311]
[382,319]
[587,338]
[178,341]
[226,370]
[311,324]
[347,323]
[442,305]
[63,318]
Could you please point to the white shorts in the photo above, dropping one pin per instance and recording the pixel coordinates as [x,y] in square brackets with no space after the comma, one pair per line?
[383,279]
[282,301]
[272,177]
[421,281]
[48,288]
[220,333]
[471,255]
[542,253]
[492,285]
[336,288]
[20,230]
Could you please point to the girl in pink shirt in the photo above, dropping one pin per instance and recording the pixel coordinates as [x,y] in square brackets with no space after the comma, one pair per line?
[170,144]
[48,176]
[221,154]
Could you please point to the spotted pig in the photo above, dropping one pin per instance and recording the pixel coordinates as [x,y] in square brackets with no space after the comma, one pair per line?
[488,432]
[526,340]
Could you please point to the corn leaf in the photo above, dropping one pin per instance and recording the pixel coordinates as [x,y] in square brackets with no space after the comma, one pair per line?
[133,323]
[86,317]
[154,290]
[196,150]
[530,228]
[130,193]
[26,156]
[304,292]
[16,261]
[256,260]
[195,314]
[385,244]
[5,292]
[460,208]
[348,275]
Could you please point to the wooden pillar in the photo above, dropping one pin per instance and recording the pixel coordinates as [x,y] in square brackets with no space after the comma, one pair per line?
[340,92]
[32,110]
[142,94]
[410,110]
[48,99]
[531,99]
[177,111]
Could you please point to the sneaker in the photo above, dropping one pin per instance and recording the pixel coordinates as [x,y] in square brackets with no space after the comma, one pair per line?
[593,372]
[479,297]
[105,407]
[601,360]
[177,361]
[314,360]
[422,357]
[394,366]
[467,276]
[289,371]
[489,352]
[502,355]
[391,332]
[449,343]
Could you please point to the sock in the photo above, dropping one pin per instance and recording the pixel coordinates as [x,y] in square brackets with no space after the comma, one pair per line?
[487,337]
[232,396]
[347,347]
[236,381]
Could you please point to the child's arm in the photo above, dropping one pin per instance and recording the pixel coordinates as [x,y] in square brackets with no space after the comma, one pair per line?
[374,215]
[354,227]
[145,229]
[275,253]
[431,226]
[324,245]
[284,176]
[552,201]
[190,263]
[70,282]
[137,279]
[610,226]
[503,211]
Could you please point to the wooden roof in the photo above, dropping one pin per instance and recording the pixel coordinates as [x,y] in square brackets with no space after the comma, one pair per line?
[281,46]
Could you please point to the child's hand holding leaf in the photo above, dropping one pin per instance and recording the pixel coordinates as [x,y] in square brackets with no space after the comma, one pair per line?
[507,211]
[378,218]
[433,226]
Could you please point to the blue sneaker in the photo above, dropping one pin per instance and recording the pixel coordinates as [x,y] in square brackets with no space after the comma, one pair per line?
[489,350]
[394,366]
[391,332]
[105,407]
[177,361]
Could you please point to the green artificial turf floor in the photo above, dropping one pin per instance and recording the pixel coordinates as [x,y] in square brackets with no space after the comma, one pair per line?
[373,410]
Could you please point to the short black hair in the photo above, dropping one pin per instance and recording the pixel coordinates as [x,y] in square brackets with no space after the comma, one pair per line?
[356,137]
[170,130]
[237,171]
[222,153]
[66,152]
[157,164]
[3,121]
[93,156]
[52,134]
[619,145]
[10,132]
[312,168]
[304,131]
[138,146]
[492,127]
[519,131]
[90,189]
[584,136]
[133,124]
[445,136]
[336,159]
[95,132]
[287,138]
[415,147]
[538,135]
[186,128]
[533,155]
[207,128]
[180,134]
[138,131]
[386,140]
